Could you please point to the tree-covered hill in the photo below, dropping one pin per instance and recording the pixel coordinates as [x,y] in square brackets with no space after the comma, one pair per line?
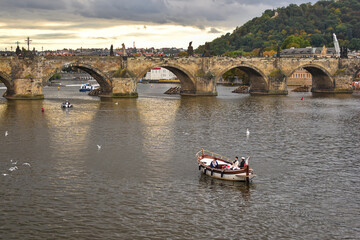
[294,26]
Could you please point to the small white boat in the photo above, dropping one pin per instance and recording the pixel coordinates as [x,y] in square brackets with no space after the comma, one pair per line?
[224,171]
[86,87]
[66,104]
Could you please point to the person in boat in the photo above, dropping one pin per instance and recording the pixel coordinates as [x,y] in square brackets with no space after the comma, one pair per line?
[236,163]
[214,164]
[242,164]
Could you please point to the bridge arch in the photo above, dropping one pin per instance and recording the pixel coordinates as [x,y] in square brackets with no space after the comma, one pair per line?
[321,78]
[186,79]
[97,74]
[4,78]
[259,82]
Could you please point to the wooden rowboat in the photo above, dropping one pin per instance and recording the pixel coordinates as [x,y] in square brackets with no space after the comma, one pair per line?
[225,170]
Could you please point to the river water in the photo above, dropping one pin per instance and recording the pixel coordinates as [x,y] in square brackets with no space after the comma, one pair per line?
[144,183]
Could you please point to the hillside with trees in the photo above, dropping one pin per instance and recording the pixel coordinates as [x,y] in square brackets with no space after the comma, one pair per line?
[294,26]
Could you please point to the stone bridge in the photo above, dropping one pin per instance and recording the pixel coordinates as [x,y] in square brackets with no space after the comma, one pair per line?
[118,76]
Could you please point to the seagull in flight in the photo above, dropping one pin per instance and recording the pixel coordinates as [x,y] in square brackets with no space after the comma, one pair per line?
[247,132]
[99,147]
[6,133]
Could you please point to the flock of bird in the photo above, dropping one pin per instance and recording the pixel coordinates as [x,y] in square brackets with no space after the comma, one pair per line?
[11,169]
[14,168]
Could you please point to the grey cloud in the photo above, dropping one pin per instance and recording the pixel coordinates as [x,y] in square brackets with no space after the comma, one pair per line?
[214,30]
[6,37]
[55,36]
[200,13]
[138,34]
[33,4]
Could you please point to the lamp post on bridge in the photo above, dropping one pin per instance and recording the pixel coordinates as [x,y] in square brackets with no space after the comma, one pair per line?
[28,42]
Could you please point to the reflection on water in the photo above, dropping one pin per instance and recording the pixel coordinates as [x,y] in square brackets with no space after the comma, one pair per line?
[144,183]
[244,188]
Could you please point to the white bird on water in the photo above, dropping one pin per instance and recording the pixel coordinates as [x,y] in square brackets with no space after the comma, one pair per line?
[13,168]
[6,133]
[99,147]
[26,164]
[247,132]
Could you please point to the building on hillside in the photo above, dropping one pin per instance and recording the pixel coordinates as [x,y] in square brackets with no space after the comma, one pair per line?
[299,78]
[313,52]
[159,74]
[308,52]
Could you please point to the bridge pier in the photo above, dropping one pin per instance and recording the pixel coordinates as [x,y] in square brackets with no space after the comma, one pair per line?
[276,84]
[205,86]
[197,93]
[335,90]
[269,92]
[342,83]
[123,88]
[26,88]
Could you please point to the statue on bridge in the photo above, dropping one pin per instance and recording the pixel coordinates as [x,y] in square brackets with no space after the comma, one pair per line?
[343,52]
[207,50]
[123,50]
[124,57]
[18,51]
[190,50]
[111,50]
[278,52]
[261,52]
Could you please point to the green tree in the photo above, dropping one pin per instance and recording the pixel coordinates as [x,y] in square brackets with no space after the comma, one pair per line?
[237,53]
[236,73]
[314,23]
[55,76]
[317,40]
[355,44]
[294,41]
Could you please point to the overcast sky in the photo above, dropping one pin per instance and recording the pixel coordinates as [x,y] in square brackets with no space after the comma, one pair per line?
[58,24]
